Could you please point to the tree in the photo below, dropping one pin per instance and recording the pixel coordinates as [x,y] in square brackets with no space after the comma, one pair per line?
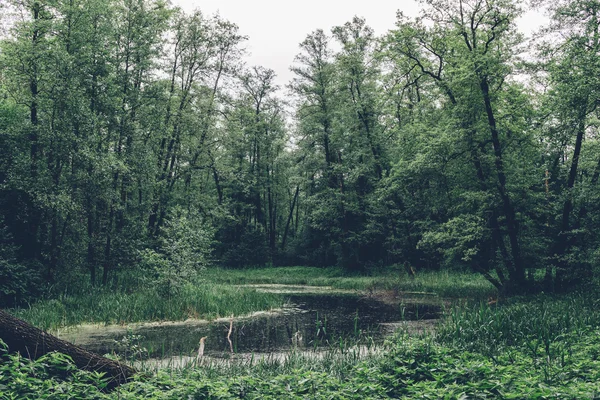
[319,145]
[468,50]
[363,151]
[573,69]
[252,144]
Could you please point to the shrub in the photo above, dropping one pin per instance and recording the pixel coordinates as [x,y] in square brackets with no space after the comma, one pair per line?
[184,250]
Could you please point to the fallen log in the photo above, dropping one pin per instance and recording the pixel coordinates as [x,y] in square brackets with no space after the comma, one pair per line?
[33,343]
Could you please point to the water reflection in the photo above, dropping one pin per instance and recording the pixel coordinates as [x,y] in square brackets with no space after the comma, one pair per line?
[310,321]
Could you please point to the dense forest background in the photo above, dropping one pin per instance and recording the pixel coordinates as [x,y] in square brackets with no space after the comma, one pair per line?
[135,142]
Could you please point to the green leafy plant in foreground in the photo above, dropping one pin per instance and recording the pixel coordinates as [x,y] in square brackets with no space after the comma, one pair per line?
[543,325]
[542,347]
[424,368]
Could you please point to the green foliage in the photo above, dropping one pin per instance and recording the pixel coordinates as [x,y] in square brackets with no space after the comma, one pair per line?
[134,145]
[251,249]
[52,376]
[18,282]
[440,284]
[342,146]
[107,306]
[219,295]
[134,141]
[458,239]
[546,327]
[454,364]
[130,349]
[183,253]
[426,368]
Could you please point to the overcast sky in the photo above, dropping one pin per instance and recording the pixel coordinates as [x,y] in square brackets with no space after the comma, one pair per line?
[276,27]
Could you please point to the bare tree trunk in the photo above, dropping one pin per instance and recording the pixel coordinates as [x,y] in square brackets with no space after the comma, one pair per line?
[33,343]
[289,220]
[564,241]
[517,275]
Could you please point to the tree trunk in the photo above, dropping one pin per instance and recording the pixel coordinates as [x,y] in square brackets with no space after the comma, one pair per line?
[564,241]
[90,259]
[517,275]
[289,220]
[33,343]
[272,222]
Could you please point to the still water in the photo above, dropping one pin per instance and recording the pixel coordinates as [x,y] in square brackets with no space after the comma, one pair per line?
[309,321]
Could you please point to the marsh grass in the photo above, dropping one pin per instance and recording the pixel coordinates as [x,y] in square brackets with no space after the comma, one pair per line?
[411,368]
[219,294]
[535,347]
[451,284]
[544,327]
[334,361]
[99,305]
[336,358]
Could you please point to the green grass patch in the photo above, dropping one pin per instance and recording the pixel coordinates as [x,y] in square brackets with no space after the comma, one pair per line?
[449,284]
[219,294]
[413,368]
[99,305]
[542,326]
[535,347]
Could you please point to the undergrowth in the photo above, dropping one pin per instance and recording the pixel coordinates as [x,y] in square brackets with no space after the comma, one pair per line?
[413,368]
[220,293]
[99,305]
[541,347]
[548,329]
[451,284]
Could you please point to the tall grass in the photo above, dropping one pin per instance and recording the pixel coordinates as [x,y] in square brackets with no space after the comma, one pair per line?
[542,326]
[221,293]
[337,360]
[442,283]
[106,306]
[531,347]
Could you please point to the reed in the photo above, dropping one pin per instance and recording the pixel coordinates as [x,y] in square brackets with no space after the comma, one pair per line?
[337,360]
[220,293]
[451,284]
[206,301]
[543,326]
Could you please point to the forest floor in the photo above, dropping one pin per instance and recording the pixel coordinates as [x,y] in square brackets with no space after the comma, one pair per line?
[533,347]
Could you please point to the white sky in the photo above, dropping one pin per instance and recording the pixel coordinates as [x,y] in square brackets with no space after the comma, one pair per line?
[276,27]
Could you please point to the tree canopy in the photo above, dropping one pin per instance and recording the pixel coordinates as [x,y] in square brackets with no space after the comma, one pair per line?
[133,138]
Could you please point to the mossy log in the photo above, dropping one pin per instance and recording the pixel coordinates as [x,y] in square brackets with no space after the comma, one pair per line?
[33,343]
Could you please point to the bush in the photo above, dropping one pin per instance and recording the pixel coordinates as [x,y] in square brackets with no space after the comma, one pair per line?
[18,282]
[184,250]
[250,250]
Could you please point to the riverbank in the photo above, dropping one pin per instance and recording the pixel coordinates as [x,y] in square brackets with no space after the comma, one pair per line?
[537,347]
[447,284]
[314,321]
[125,306]
[533,347]
[220,293]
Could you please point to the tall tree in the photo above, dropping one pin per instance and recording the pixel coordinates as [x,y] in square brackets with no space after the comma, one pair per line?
[468,50]
[319,143]
[573,69]
[249,165]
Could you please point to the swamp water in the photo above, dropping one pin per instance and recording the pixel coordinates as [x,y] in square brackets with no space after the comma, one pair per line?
[311,321]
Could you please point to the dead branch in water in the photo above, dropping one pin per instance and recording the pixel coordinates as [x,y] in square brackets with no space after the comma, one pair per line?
[201,348]
[229,334]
